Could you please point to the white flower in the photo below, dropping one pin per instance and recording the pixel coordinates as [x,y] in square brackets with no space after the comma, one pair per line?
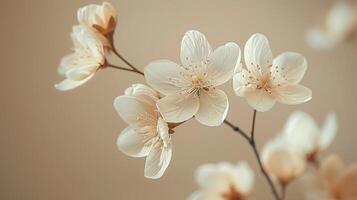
[81,65]
[282,161]
[341,23]
[190,87]
[103,18]
[334,181]
[147,134]
[302,132]
[266,80]
[224,181]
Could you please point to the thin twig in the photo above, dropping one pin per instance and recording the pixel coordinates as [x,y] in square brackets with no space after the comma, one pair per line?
[123,68]
[237,129]
[127,62]
[283,191]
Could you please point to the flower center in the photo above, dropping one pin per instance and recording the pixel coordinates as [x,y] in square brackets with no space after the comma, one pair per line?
[265,83]
[197,81]
[232,194]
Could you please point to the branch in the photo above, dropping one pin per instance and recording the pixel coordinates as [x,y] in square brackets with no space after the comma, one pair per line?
[126,61]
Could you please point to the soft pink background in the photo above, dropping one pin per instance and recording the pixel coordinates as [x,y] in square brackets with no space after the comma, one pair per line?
[56,146]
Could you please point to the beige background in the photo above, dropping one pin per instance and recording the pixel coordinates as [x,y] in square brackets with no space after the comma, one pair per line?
[56,146]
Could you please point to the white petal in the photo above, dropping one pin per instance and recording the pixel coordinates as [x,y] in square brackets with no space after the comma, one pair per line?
[208,194]
[163,130]
[80,73]
[245,182]
[133,143]
[222,63]
[87,14]
[292,94]
[319,39]
[68,84]
[143,92]
[214,175]
[177,108]
[328,131]
[162,75]
[331,169]
[213,107]
[341,19]
[157,161]
[240,83]
[260,100]
[67,62]
[301,132]
[195,48]
[288,67]
[130,108]
[257,55]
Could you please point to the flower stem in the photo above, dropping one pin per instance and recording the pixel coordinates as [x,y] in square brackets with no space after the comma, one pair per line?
[122,68]
[127,62]
[251,141]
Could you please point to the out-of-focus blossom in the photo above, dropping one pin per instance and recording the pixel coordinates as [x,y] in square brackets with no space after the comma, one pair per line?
[147,134]
[341,25]
[282,161]
[334,181]
[87,58]
[103,18]
[190,88]
[266,80]
[302,132]
[224,181]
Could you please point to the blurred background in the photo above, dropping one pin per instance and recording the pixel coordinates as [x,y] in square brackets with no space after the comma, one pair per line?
[62,145]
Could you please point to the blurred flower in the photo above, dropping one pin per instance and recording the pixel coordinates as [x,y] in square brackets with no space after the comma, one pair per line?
[81,65]
[341,25]
[266,80]
[302,132]
[282,161]
[190,88]
[224,181]
[103,18]
[334,181]
[147,134]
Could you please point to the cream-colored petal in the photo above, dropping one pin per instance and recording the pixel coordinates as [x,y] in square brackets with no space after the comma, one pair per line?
[240,82]
[288,67]
[177,108]
[158,160]
[213,107]
[80,73]
[164,76]
[347,184]
[257,55]
[320,39]
[245,178]
[214,175]
[133,143]
[301,132]
[341,19]
[195,49]
[259,99]
[328,131]
[222,63]
[69,84]
[143,92]
[208,194]
[292,94]
[331,169]
[133,110]
[163,130]
[67,63]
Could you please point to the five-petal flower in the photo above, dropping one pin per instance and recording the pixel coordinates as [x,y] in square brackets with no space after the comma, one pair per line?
[87,58]
[224,181]
[147,134]
[266,80]
[190,88]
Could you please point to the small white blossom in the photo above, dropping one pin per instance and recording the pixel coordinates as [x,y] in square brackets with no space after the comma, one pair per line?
[266,80]
[340,25]
[147,134]
[224,181]
[190,88]
[87,58]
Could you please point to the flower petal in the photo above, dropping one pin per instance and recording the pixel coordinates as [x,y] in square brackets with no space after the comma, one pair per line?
[348,182]
[130,108]
[260,100]
[69,84]
[292,94]
[301,132]
[157,161]
[320,39]
[245,182]
[341,19]
[213,107]
[133,143]
[163,76]
[222,63]
[163,130]
[214,175]
[177,108]
[67,63]
[80,73]
[143,92]
[240,83]
[331,170]
[257,55]
[328,131]
[288,67]
[195,48]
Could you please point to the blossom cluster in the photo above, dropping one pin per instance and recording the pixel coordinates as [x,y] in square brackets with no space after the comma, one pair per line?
[177,92]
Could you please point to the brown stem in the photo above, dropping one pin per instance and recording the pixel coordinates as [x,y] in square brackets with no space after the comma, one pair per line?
[126,61]
[122,68]
[283,191]
[251,140]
